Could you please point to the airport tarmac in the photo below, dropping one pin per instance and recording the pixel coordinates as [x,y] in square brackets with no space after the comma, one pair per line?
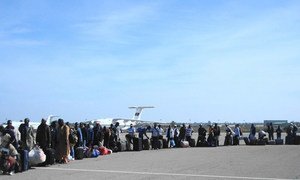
[268,162]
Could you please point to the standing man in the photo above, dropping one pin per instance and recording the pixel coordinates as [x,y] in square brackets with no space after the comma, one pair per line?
[118,131]
[217,133]
[155,136]
[270,131]
[278,132]
[182,133]
[168,134]
[98,134]
[237,134]
[142,132]
[83,132]
[89,136]
[176,136]
[160,132]
[43,135]
[188,133]
[201,135]
[27,137]
[79,136]
[131,134]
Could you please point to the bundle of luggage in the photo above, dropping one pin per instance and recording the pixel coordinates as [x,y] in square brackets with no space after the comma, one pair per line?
[292,140]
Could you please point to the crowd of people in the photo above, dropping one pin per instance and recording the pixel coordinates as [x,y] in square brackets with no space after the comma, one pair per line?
[64,139]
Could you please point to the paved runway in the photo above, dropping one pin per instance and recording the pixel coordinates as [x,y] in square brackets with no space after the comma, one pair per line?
[234,162]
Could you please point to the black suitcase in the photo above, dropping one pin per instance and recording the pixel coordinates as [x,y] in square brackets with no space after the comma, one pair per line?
[165,143]
[137,144]
[289,140]
[79,153]
[297,140]
[24,159]
[192,142]
[121,146]
[50,157]
[146,144]
[279,141]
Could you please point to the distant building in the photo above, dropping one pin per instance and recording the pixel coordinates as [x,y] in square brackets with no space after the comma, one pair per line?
[276,122]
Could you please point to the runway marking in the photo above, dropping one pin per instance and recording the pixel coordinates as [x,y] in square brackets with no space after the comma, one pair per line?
[158,174]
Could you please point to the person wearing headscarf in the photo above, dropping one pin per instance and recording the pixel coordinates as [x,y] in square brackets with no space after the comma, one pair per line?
[63,144]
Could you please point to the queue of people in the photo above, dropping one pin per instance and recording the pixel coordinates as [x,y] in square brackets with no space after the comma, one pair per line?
[68,143]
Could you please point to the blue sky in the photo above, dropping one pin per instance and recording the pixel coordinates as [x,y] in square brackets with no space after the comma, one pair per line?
[195,61]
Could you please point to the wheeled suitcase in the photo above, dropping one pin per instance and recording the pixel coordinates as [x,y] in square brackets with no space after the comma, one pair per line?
[289,140]
[79,153]
[247,142]
[165,143]
[24,159]
[297,140]
[146,144]
[192,142]
[50,157]
[184,144]
[279,141]
[137,144]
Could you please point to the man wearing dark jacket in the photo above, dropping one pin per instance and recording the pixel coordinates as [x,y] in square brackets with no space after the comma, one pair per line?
[43,135]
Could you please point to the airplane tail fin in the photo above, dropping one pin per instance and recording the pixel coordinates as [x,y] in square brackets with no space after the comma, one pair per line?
[139,109]
[50,119]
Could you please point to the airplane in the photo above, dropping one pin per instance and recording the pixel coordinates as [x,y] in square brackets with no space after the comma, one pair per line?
[33,124]
[124,122]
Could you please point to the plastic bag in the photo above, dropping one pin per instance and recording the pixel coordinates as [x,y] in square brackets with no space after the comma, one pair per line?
[36,156]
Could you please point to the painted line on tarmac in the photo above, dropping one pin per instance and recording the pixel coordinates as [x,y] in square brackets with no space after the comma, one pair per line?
[157,174]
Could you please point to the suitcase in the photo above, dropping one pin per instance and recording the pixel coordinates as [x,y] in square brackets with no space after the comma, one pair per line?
[253,142]
[129,146]
[165,144]
[279,141]
[271,142]
[184,144]
[79,153]
[289,140]
[50,157]
[146,144]
[24,159]
[137,144]
[247,142]
[160,144]
[297,140]
[121,146]
[192,143]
